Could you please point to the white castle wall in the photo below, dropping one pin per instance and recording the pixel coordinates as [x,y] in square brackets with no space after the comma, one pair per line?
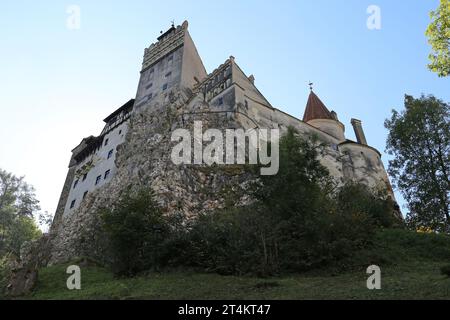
[101,165]
[346,160]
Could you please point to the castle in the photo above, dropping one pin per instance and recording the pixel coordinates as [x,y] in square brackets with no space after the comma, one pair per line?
[175,89]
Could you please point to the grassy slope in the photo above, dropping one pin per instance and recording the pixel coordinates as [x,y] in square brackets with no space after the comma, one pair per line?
[410,266]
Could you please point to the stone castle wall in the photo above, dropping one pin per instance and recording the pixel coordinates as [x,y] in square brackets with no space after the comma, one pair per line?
[144,160]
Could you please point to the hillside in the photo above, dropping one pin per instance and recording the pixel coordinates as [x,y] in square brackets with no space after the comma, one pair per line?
[410,264]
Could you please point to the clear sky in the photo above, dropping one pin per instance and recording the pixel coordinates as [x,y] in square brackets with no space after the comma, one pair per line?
[57,84]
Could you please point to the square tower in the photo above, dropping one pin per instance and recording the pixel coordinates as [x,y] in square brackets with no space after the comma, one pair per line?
[172,62]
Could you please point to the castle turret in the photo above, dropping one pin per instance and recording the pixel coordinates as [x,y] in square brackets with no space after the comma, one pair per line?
[318,116]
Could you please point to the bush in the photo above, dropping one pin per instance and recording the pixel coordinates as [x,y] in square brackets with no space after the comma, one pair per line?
[256,240]
[4,274]
[138,232]
[296,224]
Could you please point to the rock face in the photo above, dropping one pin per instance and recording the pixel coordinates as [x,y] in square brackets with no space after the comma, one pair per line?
[24,273]
[144,161]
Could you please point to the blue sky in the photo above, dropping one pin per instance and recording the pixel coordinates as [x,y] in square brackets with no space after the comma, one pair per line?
[58,84]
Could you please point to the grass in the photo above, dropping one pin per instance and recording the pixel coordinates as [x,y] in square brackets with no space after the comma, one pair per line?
[410,263]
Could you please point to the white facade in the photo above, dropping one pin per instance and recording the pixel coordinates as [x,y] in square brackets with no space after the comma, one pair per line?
[102,168]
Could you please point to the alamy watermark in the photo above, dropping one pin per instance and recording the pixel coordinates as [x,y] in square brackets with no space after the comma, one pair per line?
[230,148]
[374,19]
[73,21]
[374,281]
[74,280]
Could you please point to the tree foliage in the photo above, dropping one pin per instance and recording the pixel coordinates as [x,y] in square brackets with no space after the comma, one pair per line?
[18,207]
[419,141]
[299,221]
[138,232]
[438,34]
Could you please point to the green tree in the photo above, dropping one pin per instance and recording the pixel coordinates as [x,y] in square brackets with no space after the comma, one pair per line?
[138,231]
[419,141]
[438,34]
[18,207]
[301,220]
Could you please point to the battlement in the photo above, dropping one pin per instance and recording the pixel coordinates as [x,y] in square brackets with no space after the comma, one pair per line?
[167,43]
[217,81]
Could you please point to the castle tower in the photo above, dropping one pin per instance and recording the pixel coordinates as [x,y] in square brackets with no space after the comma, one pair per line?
[171,63]
[318,116]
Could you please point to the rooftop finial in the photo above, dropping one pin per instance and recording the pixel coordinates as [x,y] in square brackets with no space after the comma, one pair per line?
[173,23]
[310,84]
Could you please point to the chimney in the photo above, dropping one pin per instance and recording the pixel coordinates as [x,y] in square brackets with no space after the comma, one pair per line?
[359,132]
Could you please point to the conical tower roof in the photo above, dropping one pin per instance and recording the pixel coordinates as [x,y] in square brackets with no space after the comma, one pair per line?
[315,109]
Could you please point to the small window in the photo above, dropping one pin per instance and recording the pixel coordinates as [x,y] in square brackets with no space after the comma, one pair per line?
[107,174]
[106,142]
[76,183]
[165,87]
[85,194]
[85,176]
[120,131]
[97,181]
[149,86]
[171,58]
[168,74]
[110,153]
[220,101]
[73,204]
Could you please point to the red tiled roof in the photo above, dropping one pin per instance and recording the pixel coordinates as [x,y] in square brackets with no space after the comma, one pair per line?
[315,109]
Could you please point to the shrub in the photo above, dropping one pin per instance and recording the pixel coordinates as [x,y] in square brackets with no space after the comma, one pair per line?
[138,231]
[296,224]
[4,274]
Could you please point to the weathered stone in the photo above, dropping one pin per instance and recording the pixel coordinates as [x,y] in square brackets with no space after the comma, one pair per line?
[24,271]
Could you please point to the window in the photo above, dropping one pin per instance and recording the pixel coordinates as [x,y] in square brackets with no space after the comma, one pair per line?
[170,60]
[85,176]
[76,183]
[168,74]
[165,87]
[106,142]
[220,101]
[110,153]
[98,180]
[85,194]
[149,86]
[120,131]
[73,204]
[107,174]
